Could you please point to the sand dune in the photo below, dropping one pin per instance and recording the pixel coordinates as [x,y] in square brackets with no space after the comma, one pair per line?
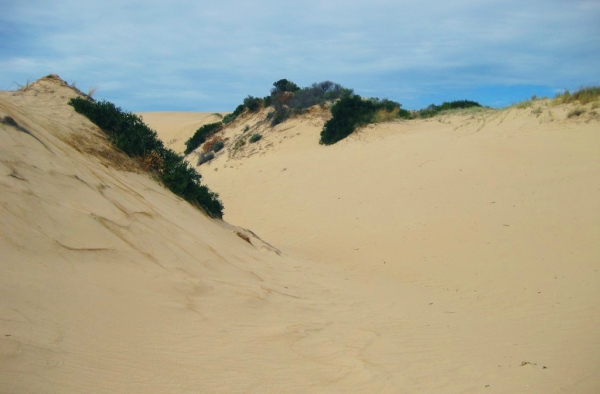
[454,255]
[177,127]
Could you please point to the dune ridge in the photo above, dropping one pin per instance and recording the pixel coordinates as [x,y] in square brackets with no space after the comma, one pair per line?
[497,209]
[110,283]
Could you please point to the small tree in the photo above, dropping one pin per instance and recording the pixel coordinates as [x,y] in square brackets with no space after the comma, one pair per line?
[252,103]
[283,85]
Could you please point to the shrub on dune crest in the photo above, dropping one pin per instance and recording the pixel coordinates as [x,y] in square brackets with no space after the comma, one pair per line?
[353,111]
[130,134]
[201,135]
[433,109]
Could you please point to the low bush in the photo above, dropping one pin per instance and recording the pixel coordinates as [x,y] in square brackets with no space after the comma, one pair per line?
[126,130]
[255,138]
[253,104]
[433,109]
[205,157]
[201,135]
[352,111]
[347,114]
[211,144]
[129,133]
[218,145]
[318,94]
[283,85]
[576,112]
[231,117]
[281,114]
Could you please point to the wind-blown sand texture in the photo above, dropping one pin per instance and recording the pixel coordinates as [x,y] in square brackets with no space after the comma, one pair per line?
[453,255]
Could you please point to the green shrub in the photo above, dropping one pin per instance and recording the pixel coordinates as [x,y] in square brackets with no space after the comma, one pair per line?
[201,135]
[288,99]
[255,138]
[253,103]
[237,112]
[347,114]
[204,157]
[131,135]
[433,109]
[318,94]
[126,130]
[283,85]
[352,111]
[267,101]
[281,114]
[217,146]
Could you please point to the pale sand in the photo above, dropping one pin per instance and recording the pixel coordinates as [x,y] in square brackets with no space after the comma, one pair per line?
[425,256]
[176,127]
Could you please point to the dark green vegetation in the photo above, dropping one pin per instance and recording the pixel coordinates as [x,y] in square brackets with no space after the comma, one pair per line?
[205,157]
[130,134]
[288,99]
[348,111]
[217,146]
[353,111]
[433,109]
[237,112]
[201,135]
[255,138]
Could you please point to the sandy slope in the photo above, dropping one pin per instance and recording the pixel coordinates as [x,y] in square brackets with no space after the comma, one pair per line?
[418,257]
[477,236]
[176,127]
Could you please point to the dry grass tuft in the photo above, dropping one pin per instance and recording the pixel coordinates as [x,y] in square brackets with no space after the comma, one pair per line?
[153,162]
[576,112]
[583,96]
[92,90]
[208,145]
[524,104]
[383,115]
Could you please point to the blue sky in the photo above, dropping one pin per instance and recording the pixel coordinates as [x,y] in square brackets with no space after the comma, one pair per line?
[185,55]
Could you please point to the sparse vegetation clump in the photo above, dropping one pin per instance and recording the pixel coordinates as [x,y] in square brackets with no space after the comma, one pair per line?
[288,99]
[583,96]
[205,157]
[215,144]
[241,142]
[576,112]
[433,109]
[353,111]
[255,138]
[232,116]
[219,145]
[253,104]
[130,134]
[201,135]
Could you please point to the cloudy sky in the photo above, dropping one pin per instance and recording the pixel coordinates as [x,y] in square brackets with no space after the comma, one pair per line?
[191,55]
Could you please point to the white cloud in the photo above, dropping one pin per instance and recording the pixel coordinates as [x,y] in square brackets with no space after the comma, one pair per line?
[387,47]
